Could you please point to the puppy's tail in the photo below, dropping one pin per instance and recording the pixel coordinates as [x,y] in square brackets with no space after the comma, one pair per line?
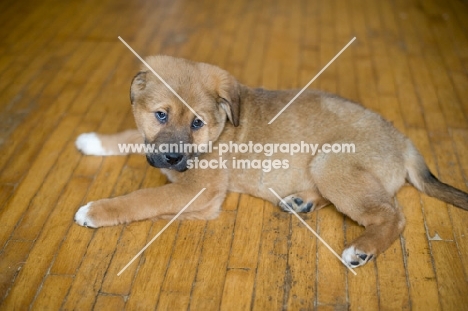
[419,175]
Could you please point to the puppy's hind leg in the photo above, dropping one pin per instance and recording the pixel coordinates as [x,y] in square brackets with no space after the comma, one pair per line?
[123,143]
[361,196]
[383,223]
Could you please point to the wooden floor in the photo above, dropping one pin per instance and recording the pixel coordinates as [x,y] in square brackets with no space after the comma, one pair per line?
[63,71]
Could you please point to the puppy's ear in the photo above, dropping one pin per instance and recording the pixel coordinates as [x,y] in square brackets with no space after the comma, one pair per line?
[229,97]
[138,85]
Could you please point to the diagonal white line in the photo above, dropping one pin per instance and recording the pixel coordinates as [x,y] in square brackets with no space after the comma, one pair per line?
[312,230]
[310,82]
[162,80]
[160,232]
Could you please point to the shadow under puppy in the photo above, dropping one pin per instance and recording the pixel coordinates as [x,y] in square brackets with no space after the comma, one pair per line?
[361,184]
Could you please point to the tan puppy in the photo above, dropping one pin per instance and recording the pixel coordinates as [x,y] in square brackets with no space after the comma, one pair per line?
[361,184]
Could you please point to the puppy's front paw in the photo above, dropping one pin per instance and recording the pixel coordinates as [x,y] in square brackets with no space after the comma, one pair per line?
[82,216]
[90,144]
[296,203]
[355,257]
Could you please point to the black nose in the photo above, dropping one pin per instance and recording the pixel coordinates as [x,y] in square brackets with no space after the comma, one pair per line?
[173,158]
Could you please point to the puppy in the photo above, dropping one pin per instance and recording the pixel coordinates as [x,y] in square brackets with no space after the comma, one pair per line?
[361,184]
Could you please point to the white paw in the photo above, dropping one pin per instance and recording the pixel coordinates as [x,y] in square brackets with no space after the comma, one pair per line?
[355,257]
[82,218]
[90,144]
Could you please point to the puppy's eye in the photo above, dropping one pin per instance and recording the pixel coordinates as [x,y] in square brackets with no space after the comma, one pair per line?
[197,123]
[161,116]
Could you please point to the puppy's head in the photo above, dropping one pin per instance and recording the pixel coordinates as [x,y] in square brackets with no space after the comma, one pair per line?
[164,120]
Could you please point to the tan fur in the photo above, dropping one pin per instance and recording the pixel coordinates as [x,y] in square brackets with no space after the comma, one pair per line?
[361,185]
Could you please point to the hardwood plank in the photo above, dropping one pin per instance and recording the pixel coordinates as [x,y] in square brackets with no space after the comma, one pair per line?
[328,48]
[133,237]
[411,111]
[380,59]
[330,228]
[247,233]
[14,170]
[20,201]
[271,280]
[460,139]
[345,67]
[74,246]
[53,292]
[5,193]
[238,288]
[452,282]
[460,83]
[454,276]
[270,74]
[391,111]
[422,281]
[291,42]
[53,185]
[242,37]
[40,256]
[54,91]
[447,47]
[301,272]
[231,202]
[392,279]
[450,157]
[252,73]
[427,94]
[450,277]
[457,25]
[8,9]
[29,39]
[87,282]
[12,260]
[209,281]
[332,307]
[109,302]
[243,258]
[153,178]
[153,265]
[450,104]
[180,275]
[310,64]
[103,88]
[132,240]
[68,54]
